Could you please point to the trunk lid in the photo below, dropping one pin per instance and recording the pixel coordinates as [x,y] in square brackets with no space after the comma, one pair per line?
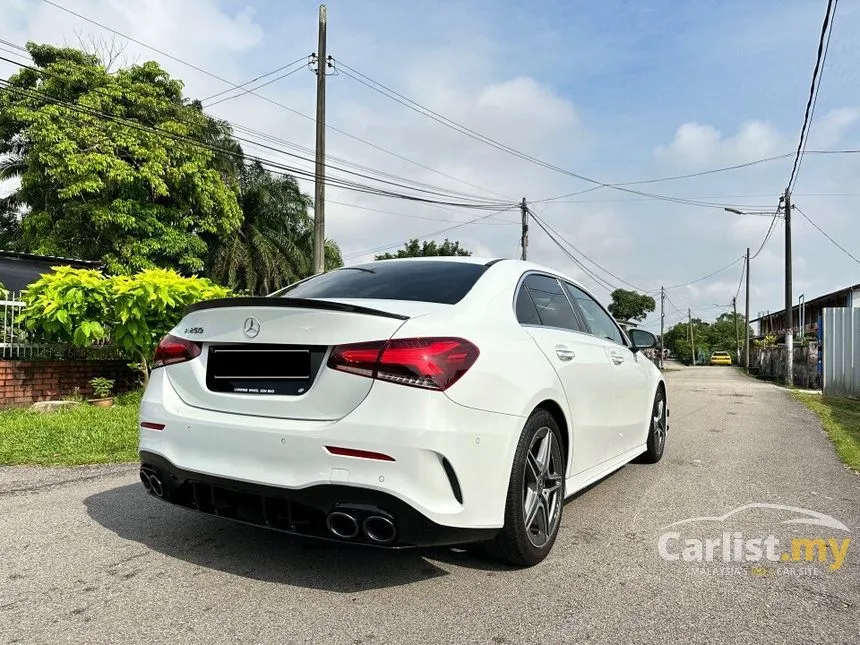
[267,356]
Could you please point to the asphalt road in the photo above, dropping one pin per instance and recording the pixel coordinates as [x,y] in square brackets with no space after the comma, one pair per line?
[86,556]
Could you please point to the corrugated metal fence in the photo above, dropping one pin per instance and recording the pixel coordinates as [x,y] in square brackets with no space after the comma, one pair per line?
[841,351]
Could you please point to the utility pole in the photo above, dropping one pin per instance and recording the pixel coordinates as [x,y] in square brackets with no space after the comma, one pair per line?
[662,319]
[737,334]
[692,335]
[319,180]
[789,316]
[747,318]
[524,238]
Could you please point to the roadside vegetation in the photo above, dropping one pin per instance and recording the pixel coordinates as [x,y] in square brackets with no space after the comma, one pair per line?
[841,420]
[83,434]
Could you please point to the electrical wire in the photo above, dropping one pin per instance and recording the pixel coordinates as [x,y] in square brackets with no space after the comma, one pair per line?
[256,78]
[705,277]
[432,219]
[437,191]
[741,281]
[820,230]
[376,86]
[600,267]
[272,101]
[248,91]
[813,90]
[601,282]
[290,171]
[433,234]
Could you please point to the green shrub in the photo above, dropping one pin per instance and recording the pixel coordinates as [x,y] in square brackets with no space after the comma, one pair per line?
[81,306]
[68,306]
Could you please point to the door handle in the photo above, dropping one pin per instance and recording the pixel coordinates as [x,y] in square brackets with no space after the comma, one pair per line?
[564,353]
[616,358]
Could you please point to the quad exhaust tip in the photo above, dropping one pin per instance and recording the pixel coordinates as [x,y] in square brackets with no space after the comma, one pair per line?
[341,524]
[151,483]
[379,529]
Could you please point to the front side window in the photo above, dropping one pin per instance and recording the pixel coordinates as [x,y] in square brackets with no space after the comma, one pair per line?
[599,322]
[548,303]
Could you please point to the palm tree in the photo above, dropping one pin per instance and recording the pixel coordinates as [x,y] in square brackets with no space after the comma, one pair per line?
[12,165]
[274,245]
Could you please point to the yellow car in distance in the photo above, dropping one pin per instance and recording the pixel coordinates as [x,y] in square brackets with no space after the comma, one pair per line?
[721,358]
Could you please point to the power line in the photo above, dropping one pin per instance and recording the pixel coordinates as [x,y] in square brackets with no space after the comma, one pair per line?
[768,234]
[597,279]
[255,79]
[602,268]
[376,86]
[741,281]
[293,172]
[820,230]
[433,234]
[676,177]
[410,216]
[248,91]
[813,89]
[705,277]
[432,190]
[268,100]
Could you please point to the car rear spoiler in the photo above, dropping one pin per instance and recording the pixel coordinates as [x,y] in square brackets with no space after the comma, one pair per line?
[301,303]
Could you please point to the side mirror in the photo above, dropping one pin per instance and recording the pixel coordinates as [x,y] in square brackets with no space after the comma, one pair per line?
[642,339]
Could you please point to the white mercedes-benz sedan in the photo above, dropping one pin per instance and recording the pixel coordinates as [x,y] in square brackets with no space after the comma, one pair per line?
[401,403]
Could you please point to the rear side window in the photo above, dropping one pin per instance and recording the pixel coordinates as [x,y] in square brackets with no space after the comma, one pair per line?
[426,281]
[548,301]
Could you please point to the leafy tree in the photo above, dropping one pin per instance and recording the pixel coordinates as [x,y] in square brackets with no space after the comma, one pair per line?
[629,305]
[718,336]
[274,245]
[415,249]
[129,195]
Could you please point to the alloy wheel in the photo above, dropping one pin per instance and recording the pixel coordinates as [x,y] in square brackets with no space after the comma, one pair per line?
[542,487]
[658,424]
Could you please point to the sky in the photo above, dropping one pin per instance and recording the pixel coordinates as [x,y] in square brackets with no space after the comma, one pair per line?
[617,91]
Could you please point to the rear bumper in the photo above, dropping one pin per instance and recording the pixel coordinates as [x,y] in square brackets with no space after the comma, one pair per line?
[450,469]
[362,516]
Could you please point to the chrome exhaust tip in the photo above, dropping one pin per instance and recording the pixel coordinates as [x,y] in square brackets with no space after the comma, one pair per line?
[155,483]
[144,478]
[379,529]
[341,524]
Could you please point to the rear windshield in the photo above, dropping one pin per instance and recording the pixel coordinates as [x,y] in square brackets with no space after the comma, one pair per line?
[424,281]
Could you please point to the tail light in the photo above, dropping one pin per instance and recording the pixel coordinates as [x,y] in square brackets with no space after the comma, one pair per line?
[175,350]
[431,363]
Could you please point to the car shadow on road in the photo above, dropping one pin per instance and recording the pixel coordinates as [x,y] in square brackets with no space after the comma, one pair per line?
[261,554]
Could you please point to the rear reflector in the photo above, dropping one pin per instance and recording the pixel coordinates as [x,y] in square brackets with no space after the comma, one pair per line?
[149,425]
[430,363]
[363,454]
[175,350]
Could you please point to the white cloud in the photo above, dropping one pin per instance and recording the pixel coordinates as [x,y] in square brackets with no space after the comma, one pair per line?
[828,130]
[699,145]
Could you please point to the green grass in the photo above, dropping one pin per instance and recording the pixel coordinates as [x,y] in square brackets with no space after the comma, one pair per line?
[841,421]
[83,434]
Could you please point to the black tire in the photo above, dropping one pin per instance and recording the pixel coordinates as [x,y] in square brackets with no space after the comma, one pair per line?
[521,542]
[657,431]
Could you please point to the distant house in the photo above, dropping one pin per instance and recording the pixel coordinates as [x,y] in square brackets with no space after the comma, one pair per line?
[18,270]
[773,323]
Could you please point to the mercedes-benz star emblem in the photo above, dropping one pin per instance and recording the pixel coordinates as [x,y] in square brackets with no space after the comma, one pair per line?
[252,327]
